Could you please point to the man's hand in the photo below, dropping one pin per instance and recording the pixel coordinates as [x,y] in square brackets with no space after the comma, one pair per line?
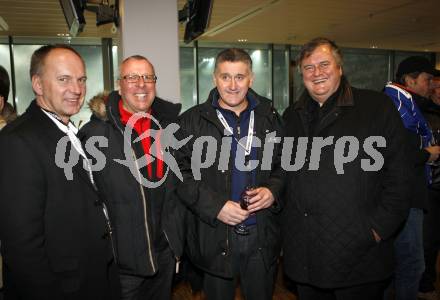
[260,198]
[232,214]
[434,152]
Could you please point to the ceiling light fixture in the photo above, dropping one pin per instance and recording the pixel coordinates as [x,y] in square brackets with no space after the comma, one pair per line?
[242,40]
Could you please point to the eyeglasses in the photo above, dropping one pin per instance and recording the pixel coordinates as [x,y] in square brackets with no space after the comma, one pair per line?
[134,78]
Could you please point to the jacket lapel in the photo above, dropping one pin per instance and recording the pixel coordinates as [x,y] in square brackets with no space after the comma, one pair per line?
[52,135]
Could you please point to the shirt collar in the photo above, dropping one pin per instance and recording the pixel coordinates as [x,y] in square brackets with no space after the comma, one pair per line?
[57,121]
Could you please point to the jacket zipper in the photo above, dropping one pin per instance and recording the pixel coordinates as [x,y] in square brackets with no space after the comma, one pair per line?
[144,201]
[177,258]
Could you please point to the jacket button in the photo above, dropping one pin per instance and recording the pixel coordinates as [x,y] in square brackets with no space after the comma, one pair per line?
[305,214]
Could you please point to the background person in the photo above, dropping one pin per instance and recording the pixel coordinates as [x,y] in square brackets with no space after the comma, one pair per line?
[411,91]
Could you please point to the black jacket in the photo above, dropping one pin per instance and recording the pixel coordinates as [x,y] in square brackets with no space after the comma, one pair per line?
[208,239]
[431,112]
[51,228]
[328,217]
[145,220]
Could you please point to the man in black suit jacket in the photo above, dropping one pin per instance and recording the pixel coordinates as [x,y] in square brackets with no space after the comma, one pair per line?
[52,226]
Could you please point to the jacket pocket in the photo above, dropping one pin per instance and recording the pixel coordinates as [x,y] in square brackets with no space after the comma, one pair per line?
[67,272]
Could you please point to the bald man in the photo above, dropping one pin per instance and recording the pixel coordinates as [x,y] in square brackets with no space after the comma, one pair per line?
[139,198]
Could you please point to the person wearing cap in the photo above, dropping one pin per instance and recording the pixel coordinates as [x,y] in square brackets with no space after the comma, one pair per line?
[410,90]
[431,222]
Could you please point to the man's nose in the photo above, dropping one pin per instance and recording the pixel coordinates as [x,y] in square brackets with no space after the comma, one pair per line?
[140,82]
[317,70]
[233,83]
[76,87]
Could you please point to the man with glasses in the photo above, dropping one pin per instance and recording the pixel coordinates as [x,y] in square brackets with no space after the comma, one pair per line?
[138,193]
[230,239]
[52,227]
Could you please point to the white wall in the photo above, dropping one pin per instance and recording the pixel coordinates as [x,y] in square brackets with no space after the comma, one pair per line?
[150,28]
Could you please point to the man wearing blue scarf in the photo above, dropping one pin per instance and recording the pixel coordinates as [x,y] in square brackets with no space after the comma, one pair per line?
[411,88]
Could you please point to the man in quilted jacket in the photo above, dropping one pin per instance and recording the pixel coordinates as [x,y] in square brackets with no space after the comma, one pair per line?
[347,191]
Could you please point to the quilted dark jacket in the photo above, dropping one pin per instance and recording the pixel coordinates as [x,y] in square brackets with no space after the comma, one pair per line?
[328,217]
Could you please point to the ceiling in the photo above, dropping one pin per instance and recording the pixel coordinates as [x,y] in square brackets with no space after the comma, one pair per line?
[384,24]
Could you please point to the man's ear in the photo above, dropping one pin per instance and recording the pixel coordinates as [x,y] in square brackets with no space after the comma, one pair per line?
[251,81]
[214,81]
[409,81]
[2,103]
[37,85]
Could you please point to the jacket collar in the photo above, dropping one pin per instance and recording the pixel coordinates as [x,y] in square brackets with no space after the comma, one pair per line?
[106,108]
[53,134]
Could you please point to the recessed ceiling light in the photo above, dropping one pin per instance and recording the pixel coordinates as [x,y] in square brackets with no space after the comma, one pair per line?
[63,34]
[373,47]
[242,40]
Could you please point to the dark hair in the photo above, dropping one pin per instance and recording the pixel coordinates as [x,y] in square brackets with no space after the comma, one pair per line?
[4,83]
[233,55]
[39,56]
[308,48]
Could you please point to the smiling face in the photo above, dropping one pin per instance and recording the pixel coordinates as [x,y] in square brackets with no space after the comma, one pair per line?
[233,80]
[60,86]
[137,96]
[321,73]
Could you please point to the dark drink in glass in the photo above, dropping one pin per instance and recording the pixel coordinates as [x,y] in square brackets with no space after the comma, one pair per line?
[241,228]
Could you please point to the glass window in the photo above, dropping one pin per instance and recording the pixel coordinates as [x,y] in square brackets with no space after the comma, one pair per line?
[262,72]
[373,77]
[206,68]
[281,79]
[6,63]
[188,96]
[298,85]
[92,56]
[22,61]
[115,60]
